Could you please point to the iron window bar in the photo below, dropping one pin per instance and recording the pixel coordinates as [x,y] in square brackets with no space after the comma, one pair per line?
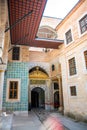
[19,20]
[17,42]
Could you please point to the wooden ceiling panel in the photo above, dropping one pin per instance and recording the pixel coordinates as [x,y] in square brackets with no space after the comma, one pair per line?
[24,20]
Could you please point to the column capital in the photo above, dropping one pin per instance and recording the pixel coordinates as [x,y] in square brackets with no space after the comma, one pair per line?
[2,67]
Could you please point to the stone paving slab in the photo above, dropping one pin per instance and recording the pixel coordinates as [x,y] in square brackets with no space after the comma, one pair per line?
[51,123]
[30,122]
[68,123]
[41,122]
[6,122]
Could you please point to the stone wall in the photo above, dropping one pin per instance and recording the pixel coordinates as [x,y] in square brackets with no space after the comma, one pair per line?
[74,104]
[53,22]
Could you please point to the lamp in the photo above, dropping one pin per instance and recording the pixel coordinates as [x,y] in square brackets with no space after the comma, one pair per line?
[46,50]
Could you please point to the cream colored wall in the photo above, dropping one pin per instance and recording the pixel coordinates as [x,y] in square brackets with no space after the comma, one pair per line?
[38,56]
[75,104]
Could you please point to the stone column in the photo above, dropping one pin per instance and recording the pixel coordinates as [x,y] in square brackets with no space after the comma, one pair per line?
[51,96]
[48,96]
[1,66]
[2,35]
[60,94]
[1,88]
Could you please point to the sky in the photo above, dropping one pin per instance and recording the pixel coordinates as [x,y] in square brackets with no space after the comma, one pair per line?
[59,8]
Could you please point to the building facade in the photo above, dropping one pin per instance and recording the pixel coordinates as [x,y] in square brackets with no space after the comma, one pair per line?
[49,78]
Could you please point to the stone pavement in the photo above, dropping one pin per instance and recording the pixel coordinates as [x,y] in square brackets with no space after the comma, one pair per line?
[40,120]
[68,123]
[5,121]
[30,122]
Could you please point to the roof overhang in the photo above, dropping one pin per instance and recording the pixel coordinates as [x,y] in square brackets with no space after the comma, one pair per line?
[46,43]
[24,21]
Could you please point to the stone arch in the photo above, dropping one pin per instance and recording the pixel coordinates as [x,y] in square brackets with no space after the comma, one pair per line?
[40,86]
[44,67]
[47,29]
[38,68]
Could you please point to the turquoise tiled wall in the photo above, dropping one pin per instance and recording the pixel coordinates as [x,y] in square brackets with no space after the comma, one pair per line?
[17,70]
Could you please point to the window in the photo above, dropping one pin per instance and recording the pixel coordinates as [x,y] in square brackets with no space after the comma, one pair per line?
[68,35]
[73,90]
[16,53]
[72,66]
[85,55]
[83,24]
[13,90]
[56,86]
[53,67]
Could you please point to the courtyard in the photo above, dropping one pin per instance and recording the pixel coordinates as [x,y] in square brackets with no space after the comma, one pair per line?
[43,67]
[39,119]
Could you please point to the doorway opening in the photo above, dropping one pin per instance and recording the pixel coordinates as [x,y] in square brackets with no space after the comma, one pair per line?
[37,98]
[56,99]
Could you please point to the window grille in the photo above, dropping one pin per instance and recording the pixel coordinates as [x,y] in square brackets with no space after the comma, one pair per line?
[68,35]
[72,66]
[83,24]
[16,53]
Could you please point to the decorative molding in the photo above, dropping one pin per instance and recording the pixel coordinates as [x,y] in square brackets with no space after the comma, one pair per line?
[40,86]
[41,65]
[37,82]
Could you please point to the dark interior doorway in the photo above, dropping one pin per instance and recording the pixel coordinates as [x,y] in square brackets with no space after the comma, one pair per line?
[56,99]
[37,98]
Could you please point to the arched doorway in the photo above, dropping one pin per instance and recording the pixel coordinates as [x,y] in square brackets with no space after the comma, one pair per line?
[56,99]
[37,98]
[37,87]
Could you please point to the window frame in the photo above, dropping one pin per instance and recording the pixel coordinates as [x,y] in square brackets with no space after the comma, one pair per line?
[73,67]
[69,28]
[57,85]
[78,25]
[7,92]
[67,43]
[73,94]
[53,67]
[19,54]
[85,24]
[85,60]
[12,89]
